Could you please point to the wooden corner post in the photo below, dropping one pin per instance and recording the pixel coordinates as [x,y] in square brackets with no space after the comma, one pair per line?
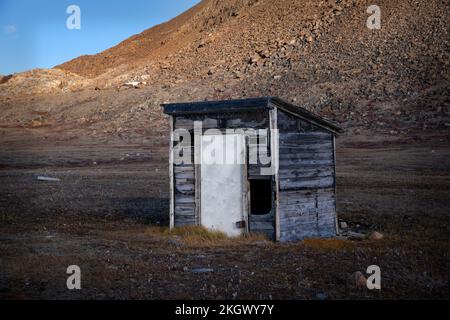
[274,151]
[171,177]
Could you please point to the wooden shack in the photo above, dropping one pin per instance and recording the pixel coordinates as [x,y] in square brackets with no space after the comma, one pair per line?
[288,193]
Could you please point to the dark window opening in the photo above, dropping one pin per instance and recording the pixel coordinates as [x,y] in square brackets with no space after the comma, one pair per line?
[260,196]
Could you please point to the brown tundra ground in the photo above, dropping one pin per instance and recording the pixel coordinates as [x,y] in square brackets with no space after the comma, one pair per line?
[109,215]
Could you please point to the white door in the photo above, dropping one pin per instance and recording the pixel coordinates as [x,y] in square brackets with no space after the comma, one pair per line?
[223,184]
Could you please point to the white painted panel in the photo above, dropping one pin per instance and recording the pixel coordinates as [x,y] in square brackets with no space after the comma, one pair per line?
[222,183]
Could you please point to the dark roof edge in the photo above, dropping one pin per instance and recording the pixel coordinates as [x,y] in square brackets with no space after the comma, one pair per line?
[306,115]
[215,106]
[240,105]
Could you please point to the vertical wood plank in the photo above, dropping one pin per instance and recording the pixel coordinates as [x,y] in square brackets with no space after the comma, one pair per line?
[197,177]
[275,152]
[334,189]
[246,187]
[171,178]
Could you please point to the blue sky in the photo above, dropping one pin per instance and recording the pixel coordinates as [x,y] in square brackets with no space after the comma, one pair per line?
[33,34]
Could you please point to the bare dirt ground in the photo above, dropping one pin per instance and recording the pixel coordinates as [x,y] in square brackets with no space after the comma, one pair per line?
[109,215]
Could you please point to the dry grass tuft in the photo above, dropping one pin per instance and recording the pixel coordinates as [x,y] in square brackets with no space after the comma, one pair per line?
[253,237]
[190,233]
[201,236]
[156,231]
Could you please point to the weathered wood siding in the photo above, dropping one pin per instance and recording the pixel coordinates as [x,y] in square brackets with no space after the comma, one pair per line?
[232,120]
[263,224]
[306,179]
[184,195]
[185,212]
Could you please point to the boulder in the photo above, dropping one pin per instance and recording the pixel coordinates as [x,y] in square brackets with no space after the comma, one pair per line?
[375,235]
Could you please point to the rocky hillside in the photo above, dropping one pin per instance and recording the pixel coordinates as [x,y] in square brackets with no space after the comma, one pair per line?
[317,54]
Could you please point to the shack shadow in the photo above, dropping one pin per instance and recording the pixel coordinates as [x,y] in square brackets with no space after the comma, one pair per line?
[153,211]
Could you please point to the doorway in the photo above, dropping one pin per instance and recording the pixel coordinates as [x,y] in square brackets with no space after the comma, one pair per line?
[223,183]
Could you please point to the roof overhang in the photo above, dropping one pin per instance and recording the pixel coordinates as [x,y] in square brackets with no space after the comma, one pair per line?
[251,104]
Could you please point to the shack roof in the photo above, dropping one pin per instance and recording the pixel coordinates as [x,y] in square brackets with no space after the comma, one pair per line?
[251,104]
